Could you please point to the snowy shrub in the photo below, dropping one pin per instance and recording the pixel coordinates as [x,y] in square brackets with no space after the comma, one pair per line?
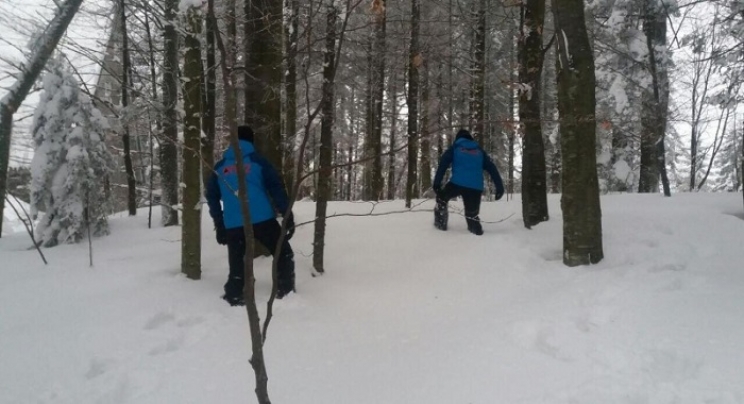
[70,161]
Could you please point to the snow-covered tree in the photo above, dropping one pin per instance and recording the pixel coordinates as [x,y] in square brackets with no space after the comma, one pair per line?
[70,161]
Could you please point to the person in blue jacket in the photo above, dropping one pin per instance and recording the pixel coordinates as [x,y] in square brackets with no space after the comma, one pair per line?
[266,196]
[468,161]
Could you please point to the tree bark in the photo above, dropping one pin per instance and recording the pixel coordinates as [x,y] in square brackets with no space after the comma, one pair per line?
[531,58]
[582,216]
[326,139]
[264,78]
[414,62]
[257,361]
[426,129]
[478,71]
[209,109]
[168,147]
[393,95]
[191,212]
[30,71]
[291,91]
[128,166]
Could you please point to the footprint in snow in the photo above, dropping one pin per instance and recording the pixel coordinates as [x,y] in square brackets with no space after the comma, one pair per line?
[98,367]
[158,320]
[171,345]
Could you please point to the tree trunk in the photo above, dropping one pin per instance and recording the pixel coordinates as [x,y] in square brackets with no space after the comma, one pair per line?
[414,62]
[393,95]
[291,91]
[128,166]
[582,216]
[209,117]
[191,213]
[374,183]
[168,147]
[257,361]
[9,104]
[534,188]
[478,71]
[655,27]
[426,129]
[378,81]
[264,78]
[326,139]
[352,143]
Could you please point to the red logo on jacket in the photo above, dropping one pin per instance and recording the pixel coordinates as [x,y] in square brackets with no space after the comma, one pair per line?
[233,169]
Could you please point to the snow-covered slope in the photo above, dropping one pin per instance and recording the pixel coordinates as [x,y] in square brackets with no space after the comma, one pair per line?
[404,314]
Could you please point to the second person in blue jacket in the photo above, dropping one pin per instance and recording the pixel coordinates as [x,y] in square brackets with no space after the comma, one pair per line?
[468,161]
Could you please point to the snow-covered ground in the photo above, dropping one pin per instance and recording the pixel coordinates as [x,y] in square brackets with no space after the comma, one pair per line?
[11,223]
[404,314]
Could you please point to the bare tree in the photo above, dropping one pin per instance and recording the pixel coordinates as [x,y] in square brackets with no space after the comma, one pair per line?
[125,71]
[191,211]
[478,71]
[257,361]
[415,60]
[326,137]
[582,216]
[531,57]
[168,147]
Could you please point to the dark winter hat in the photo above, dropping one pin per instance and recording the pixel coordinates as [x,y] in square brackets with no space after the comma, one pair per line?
[245,133]
[463,133]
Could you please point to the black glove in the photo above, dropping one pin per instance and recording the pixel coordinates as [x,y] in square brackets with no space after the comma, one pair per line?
[290,226]
[219,228]
[499,193]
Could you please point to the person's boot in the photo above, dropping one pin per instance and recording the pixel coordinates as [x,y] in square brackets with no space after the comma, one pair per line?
[286,276]
[441,216]
[474,226]
[286,285]
[234,291]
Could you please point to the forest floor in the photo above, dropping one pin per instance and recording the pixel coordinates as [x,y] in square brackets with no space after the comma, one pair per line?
[403,314]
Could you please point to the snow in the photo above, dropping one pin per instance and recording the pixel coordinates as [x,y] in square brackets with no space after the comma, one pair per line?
[11,223]
[404,313]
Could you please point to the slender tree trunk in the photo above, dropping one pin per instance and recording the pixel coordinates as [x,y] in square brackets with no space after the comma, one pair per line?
[128,166]
[326,139]
[369,117]
[352,143]
[531,54]
[191,230]
[654,26]
[512,127]
[450,69]
[414,62]
[393,95]
[209,116]
[440,111]
[168,147]
[478,70]
[378,82]
[257,361]
[26,78]
[426,129]
[262,96]
[158,117]
[582,216]
[291,90]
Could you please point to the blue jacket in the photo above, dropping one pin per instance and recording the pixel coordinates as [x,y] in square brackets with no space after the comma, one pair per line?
[264,187]
[468,161]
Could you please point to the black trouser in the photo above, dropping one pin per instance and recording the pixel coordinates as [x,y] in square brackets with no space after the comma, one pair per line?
[266,233]
[471,198]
